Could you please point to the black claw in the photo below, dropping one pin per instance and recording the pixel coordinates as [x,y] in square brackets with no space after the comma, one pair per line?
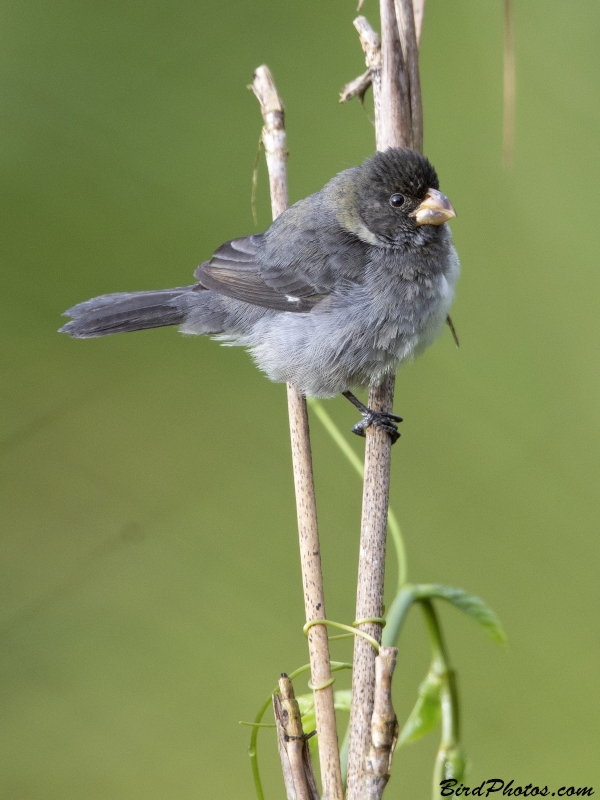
[395,417]
[359,429]
[381,419]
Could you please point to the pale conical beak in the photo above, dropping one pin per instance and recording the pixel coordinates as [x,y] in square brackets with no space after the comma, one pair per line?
[434,210]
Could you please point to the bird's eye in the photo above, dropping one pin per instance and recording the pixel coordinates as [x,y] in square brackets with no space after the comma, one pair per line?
[396,200]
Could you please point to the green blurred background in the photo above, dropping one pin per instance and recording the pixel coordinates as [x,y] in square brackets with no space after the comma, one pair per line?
[150,590]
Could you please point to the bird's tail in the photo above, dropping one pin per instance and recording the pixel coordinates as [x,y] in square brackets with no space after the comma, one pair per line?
[126,311]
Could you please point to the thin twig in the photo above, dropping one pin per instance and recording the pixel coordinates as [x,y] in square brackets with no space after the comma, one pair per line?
[356,88]
[371,45]
[314,597]
[310,554]
[393,127]
[294,752]
[288,758]
[273,137]
[359,86]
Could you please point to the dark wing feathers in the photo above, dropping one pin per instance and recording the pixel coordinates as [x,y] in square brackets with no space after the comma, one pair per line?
[299,261]
[235,270]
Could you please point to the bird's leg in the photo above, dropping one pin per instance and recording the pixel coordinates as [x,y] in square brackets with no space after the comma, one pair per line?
[381,419]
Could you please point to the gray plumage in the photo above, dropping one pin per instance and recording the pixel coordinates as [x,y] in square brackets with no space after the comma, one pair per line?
[341,289]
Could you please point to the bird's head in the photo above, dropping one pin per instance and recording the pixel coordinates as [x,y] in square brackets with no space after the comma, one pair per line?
[392,199]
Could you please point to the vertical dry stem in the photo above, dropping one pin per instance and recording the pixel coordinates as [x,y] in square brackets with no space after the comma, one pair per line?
[419,8]
[408,39]
[273,137]
[394,127]
[310,554]
[294,752]
[287,756]
[371,45]
[369,596]
[314,597]
[384,727]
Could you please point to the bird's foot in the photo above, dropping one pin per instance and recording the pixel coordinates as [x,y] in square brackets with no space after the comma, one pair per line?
[384,420]
[381,419]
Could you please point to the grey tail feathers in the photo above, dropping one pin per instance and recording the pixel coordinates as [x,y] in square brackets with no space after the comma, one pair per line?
[126,311]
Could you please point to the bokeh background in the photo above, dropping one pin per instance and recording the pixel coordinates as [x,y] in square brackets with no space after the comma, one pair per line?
[149,577]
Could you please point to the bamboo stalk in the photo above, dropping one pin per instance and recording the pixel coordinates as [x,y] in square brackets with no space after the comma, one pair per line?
[273,138]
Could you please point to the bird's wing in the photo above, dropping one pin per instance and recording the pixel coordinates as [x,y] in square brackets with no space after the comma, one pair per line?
[238,270]
[298,262]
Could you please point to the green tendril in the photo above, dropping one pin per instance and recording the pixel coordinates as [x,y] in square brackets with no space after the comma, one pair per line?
[376,620]
[257,724]
[351,630]
[321,685]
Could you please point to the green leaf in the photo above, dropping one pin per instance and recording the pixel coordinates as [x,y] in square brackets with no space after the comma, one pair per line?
[306,703]
[307,711]
[427,712]
[470,604]
[341,701]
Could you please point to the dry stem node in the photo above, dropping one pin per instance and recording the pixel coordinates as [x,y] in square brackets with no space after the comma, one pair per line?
[370,43]
[294,752]
[384,727]
[356,88]
[273,137]
[410,26]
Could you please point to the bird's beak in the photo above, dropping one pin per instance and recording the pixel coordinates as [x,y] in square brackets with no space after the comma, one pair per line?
[434,210]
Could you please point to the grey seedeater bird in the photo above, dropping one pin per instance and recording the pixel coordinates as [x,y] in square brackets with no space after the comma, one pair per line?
[342,288]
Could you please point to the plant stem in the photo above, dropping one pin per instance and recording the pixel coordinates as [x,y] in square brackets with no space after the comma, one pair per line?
[394,127]
[296,762]
[371,567]
[310,554]
[369,597]
[257,724]
[419,9]
[341,441]
[410,48]
[450,762]
[384,727]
